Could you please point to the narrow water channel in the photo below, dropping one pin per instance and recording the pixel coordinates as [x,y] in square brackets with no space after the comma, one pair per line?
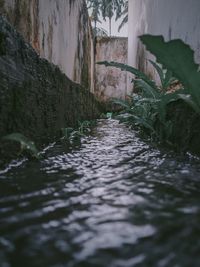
[112,201]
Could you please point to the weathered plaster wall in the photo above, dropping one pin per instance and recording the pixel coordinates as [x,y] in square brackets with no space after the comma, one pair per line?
[36,98]
[59,30]
[172,18]
[111,82]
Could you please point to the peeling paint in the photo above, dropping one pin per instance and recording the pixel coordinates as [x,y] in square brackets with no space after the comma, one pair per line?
[111,82]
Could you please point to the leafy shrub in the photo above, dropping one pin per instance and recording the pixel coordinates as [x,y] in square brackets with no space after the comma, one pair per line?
[177,57]
[83,129]
[26,144]
[148,108]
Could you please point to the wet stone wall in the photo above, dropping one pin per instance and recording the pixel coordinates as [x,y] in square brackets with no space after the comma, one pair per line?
[36,98]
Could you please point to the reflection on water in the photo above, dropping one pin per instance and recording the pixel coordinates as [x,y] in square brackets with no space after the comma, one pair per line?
[114,201]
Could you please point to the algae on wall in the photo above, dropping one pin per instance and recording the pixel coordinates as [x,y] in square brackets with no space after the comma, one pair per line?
[60,31]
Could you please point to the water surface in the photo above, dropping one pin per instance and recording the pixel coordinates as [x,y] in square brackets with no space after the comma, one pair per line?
[112,200]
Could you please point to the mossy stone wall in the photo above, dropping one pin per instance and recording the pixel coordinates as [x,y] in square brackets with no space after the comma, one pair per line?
[36,98]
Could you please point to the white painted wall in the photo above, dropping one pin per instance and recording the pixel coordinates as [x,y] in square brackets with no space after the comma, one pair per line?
[171,18]
[58,36]
[60,31]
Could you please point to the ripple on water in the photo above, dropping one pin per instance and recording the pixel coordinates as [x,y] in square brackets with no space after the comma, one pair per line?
[111,201]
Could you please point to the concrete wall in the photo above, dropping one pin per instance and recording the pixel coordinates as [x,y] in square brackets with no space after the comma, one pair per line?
[59,30]
[36,98]
[172,18]
[111,82]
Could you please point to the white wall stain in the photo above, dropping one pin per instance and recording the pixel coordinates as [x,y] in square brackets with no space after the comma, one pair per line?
[111,82]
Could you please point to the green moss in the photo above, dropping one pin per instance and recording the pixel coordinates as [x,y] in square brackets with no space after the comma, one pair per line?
[2,3]
[2,44]
[85,76]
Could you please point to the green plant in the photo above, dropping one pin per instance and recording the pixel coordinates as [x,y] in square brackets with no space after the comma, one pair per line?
[143,112]
[83,129]
[109,115]
[71,134]
[25,143]
[149,106]
[110,8]
[124,14]
[150,110]
[100,32]
[166,77]
[107,9]
[177,57]
[125,67]
[66,132]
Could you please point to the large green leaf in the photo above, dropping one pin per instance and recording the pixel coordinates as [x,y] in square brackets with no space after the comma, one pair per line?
[169,79]
[178,57]
[159,71]
[147,90]
[142,122]
[25,143]
[188,99]
[123,103]
[165,76]
[130,69]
